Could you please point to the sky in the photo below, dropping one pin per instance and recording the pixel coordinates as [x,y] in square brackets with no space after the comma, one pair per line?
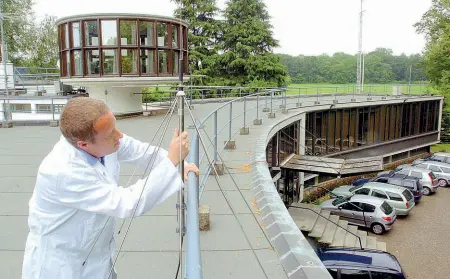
[308,27]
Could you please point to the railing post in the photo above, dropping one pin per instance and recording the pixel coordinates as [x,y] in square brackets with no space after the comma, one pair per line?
[215,137]
[193,257]
[245,130]
[298,103]
[54,123]
[266,108]
[271,114]
[257,121]
[284,110]
[230,144]
[317,101]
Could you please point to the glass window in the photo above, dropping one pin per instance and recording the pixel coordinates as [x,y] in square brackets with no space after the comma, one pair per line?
[147,61]
[110,62]
[20,107]
[77,63]
[350,206]
[394,196]
[66,36]
[91,33]
[163,62]
[146,32]
[338,201]
[58,108]
[129,61]
[368,207]
[128,33]
[76,34]
[383,275]
[354,274]
[379,194]
[438,158]
[446,170]
[93,62]
[422,166]
[175,61]
[162,34]
[44,108]
[109,32]
[68,62]
[381,180]
[407,194]
[175,29]
[405,172]
[395,181]
[363,191]
[386,208]
[416,174]
[435,168]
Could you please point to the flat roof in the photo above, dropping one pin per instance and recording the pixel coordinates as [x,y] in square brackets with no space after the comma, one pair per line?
[77,17]
[324,165]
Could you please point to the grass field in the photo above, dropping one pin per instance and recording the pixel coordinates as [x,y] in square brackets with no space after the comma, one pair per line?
[442,147]
[350,88]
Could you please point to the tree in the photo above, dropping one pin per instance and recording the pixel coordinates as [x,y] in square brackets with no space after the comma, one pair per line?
[17,25]
[43,50]
[247,44]
[435,24]
[203,33]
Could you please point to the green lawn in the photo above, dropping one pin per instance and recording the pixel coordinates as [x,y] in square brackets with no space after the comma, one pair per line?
[350,88]
[442,147]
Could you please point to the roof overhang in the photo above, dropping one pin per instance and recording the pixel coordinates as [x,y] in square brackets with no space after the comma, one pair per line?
[333,166]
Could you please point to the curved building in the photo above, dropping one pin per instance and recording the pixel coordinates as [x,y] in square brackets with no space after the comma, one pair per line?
[114,56]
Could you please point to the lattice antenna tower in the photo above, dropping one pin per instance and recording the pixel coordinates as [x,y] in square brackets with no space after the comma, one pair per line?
[360,63]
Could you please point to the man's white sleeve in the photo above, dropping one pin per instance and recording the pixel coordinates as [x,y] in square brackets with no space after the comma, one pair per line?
[132,150]
[81,188]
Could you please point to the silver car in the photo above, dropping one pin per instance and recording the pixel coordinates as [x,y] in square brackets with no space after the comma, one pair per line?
[437,157]
[441,170]
[427,178]
[363,211]
[400,198]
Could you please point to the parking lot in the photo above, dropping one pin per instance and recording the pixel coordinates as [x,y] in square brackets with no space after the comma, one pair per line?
[421,241]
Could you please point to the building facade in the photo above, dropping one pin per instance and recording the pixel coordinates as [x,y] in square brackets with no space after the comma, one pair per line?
[394,130]
[115,56]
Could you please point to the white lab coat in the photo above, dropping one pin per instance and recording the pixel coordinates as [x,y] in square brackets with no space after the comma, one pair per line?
[71,202]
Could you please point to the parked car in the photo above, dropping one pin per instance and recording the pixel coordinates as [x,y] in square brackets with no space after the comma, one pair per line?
[350,263]
[363,211]
[427,177]
[441,171]
[410,182]
[398,197]
[437,157]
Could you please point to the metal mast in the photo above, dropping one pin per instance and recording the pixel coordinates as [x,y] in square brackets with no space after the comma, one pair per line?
[359,74]
[4,57]
[181,206]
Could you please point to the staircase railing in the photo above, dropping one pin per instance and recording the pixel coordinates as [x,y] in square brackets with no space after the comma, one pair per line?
[359,238]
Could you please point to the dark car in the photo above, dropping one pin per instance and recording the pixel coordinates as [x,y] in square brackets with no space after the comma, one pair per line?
[343,263]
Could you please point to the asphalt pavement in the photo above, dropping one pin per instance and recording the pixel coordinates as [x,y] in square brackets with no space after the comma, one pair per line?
[421,240]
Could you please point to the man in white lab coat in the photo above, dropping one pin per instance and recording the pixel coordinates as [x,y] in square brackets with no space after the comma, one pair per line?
[77,197]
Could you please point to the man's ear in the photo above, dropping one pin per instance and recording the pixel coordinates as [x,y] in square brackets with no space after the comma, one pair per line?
[82,144]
